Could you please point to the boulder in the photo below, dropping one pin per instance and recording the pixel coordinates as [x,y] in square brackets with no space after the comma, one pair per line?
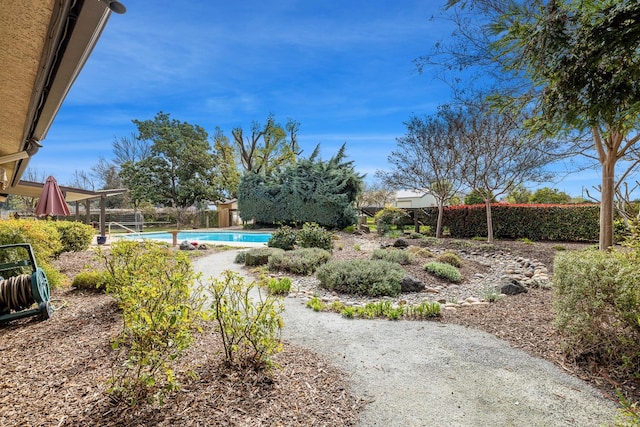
[409,284]
[400,244]
[186,246]
[512,287]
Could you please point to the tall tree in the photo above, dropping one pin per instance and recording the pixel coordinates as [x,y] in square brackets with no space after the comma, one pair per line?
[428,158]
[130,148]
[224,157]
[550,195]
[180,168]
[500,153]
[582,65]
[269,146]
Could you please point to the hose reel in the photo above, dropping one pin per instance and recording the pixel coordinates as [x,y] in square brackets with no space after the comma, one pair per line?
[22,294]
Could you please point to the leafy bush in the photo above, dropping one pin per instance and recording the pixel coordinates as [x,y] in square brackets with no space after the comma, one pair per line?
[316,304]
[154,287]
[597,304]
[74,236]
[299,261]
[393,255]
[314,236]
[259,256]
[44,238]
[450,258]
[444,271]
[90,281]
[361,277]
[249,330]
[279,286]
[284,238]
[240,257]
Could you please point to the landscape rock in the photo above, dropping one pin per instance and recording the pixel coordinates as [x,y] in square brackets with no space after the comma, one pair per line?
[512,287]
[401,244]
[409,284]
[186,246]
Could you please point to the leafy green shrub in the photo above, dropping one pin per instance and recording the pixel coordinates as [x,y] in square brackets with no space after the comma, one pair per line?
[279,286]
[240,257]
[389,216]
[74,236]
[316,304]
[90,281]
[444,271]
[361,277]
[299,261]
[393,255]
[349,229]
[314,236]
[44,238]
[450,258]
[597,304]
[259,256]
[154,287]
[284,238]
[249,330]
[423,310]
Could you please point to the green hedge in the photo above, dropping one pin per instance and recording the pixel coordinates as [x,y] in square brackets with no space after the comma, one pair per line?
[572,223]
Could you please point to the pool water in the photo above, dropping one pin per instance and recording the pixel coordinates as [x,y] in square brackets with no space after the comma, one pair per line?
[206,236]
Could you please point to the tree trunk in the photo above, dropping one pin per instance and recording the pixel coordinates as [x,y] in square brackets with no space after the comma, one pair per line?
[439,221]
[606,204]
[489,221]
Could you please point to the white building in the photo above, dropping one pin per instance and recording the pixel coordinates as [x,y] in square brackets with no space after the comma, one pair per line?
[414,199]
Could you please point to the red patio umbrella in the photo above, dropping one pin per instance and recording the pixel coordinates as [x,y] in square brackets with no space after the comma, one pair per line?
[51,201]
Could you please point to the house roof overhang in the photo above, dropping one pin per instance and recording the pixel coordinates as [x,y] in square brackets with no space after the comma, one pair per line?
[43,46]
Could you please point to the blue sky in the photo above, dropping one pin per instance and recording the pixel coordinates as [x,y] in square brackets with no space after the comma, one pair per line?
[343,70]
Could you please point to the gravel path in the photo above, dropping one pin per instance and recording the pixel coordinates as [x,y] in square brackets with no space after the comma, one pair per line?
[429,373]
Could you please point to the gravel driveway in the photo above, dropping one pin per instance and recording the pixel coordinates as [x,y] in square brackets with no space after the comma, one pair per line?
[427,374]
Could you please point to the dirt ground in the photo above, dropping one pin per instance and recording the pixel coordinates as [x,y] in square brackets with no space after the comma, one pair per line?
[54,372]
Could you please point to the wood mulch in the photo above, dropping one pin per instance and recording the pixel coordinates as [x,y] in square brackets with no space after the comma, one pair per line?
[54,373]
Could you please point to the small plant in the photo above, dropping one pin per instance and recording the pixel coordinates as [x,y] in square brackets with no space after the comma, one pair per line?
[450,258]
[628,413]
[361,277]
[284,238]
[559,248]
[299,261]
[279,286]
[316,304]
[395,313]
[444,271]
[393,255]
[240,257]
[419,252]
[415,235]
[337,306]
[348,312]
[491,295]
[479,239]
[314,236]
[250,330]
[423,310]
[349,229]
[154,287]
[526,240]
[339,246]
[259,256]
[356,247]
[90,281]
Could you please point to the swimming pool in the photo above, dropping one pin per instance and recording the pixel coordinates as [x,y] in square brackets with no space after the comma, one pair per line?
[206,236]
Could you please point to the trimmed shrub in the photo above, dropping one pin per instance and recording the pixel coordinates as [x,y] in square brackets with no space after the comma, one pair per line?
[417,251]
[284,238]
[74,236]
[314,236]
[240,257]
[361,277]
[44,238]
[300,261]
[444,271]
[90,281]
[597,304]
[393,255]
[259,256]
[450,258]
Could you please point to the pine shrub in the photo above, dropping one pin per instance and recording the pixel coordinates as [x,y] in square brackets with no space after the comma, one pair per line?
[444,271]
[393,255]
[361,277]
[302,261]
